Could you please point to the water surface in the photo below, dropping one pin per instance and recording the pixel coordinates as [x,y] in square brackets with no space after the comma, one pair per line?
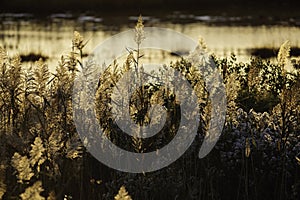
[51,36]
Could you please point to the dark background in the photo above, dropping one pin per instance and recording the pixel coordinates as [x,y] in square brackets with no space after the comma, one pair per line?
[142,6]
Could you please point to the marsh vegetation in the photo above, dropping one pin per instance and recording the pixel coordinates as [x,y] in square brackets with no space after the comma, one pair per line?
[257,156]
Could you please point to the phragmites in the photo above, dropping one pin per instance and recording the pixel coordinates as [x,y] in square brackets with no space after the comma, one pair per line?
[3,56]
[232,88]
[22,165]
[253,77]
[202,43]
[41,78]
[77,40]
[39,143]
[2,178]
[123,194]
[139,31]
[284,54]
[33,192]
[74,148]
[25,165]
[37,153]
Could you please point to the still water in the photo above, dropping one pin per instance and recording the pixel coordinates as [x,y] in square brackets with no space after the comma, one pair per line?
[51,35]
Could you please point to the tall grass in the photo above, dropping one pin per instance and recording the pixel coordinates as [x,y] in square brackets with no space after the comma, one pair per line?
[42,157]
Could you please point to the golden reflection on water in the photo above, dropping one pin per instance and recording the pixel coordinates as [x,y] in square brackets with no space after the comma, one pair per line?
[54,39]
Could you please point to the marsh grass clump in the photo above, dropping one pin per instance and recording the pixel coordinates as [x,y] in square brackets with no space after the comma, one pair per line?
[36,126]
[42,157]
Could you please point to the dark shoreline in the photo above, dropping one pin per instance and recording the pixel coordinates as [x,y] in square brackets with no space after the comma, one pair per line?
[277,8]
[267,53]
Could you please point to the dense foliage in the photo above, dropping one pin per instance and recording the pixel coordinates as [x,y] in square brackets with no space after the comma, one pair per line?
[257,156]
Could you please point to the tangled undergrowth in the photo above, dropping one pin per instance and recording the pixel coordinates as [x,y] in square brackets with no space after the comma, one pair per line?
[257,156]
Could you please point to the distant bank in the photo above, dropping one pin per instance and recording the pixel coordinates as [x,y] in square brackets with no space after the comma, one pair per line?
[279,7]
